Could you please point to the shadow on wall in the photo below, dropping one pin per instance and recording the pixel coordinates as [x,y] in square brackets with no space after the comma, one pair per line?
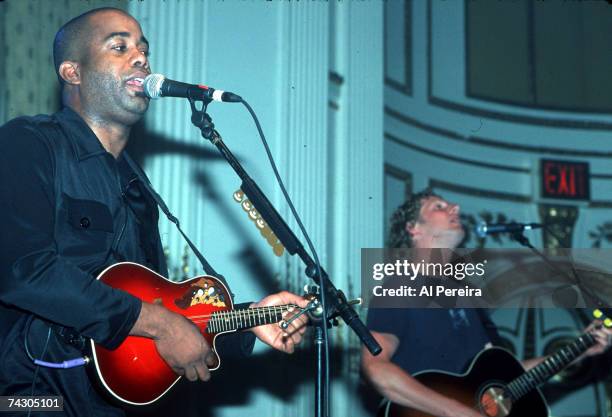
[279,375]
[144,144]
[284,377]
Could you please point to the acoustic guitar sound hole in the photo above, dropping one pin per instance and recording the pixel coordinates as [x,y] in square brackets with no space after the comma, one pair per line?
[494,402]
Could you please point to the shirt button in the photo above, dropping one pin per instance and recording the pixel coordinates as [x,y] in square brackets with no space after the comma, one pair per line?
[84,223]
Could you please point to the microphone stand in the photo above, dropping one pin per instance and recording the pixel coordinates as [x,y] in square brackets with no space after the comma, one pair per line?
[520,237]
[336,303]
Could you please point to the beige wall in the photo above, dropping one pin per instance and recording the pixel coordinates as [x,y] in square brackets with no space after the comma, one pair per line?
[27,29]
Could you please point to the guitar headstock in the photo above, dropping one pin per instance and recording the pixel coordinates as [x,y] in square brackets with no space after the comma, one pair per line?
[260,223]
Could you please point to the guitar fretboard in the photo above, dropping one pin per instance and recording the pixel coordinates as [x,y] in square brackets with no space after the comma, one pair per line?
[550,367]
[223,321]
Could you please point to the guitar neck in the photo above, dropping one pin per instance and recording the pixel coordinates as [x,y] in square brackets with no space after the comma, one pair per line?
[223,321]
[550,367]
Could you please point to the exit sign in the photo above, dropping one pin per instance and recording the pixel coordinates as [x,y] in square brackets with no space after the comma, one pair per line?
[565,180]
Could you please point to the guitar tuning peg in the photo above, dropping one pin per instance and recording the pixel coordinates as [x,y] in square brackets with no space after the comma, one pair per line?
[260,223]
[253,214]
[271,238]
[278,249]
[265,232]
[238,195]
[246,205]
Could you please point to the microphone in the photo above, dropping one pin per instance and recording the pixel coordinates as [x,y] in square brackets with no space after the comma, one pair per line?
[484,229]
[156,86]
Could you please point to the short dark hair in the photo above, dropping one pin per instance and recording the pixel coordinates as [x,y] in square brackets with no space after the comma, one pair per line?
[71,39]
[408,212]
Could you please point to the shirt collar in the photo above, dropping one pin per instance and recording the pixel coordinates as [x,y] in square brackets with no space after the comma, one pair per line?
[84,141]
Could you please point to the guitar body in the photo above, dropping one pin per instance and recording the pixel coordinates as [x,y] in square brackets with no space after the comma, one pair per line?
[134,373]
[492,367]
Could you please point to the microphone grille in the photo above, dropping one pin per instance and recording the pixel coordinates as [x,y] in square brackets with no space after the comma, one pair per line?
[152,85]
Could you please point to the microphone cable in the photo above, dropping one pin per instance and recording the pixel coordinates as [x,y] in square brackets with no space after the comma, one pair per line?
[310,246]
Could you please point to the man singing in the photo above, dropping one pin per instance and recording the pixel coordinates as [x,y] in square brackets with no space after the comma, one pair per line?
[71,204]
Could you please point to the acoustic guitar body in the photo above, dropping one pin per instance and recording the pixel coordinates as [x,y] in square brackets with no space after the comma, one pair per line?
[134,373]
[491,368]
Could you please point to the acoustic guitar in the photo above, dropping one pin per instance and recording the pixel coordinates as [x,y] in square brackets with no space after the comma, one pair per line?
[496,384]
[134,373]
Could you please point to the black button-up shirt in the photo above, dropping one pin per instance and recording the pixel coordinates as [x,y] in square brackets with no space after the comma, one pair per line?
[64,216]
[68,209]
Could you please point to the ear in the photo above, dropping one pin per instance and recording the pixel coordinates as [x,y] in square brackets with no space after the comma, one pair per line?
[70,71]
[413,230]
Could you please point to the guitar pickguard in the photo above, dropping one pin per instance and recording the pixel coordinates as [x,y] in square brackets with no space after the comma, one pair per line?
[203,291]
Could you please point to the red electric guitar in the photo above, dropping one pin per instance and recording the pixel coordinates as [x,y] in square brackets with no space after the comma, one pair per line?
[134,373]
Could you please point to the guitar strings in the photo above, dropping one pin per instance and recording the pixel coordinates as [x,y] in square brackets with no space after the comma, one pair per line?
[237,312]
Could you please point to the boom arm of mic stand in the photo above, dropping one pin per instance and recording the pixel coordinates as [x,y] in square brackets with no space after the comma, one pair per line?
[599,303]
[335,300]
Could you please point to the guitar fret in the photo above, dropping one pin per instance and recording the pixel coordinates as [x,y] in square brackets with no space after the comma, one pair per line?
[529,381]
[211,324]
[576,353]
[509,388]
[521,386]
[519,389]
[564,357]
[514,391]
[221,321]
[541,373]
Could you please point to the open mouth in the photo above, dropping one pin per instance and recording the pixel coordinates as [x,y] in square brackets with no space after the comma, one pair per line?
[136,82]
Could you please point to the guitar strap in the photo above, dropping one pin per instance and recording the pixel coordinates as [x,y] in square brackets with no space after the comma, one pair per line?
[489,326]
[208,269]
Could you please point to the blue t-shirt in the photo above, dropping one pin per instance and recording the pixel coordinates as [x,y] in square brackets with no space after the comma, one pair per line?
[435,338]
